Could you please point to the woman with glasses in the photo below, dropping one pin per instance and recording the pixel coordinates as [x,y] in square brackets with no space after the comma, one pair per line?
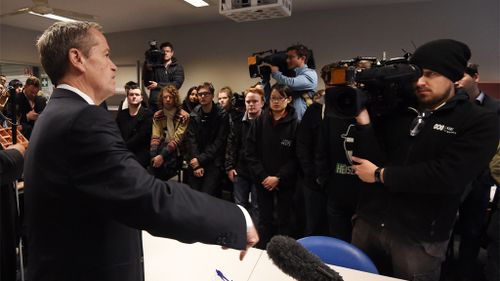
[271,159]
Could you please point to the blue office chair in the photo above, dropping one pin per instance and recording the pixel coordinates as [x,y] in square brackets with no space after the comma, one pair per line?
[337,252]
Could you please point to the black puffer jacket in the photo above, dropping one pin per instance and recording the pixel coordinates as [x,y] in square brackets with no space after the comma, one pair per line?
[271,148]
[236,145]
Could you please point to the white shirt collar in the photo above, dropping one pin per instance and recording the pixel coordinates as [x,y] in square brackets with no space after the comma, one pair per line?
[76,91]
[480,98]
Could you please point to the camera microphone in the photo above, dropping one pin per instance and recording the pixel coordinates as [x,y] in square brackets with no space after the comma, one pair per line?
[297,262]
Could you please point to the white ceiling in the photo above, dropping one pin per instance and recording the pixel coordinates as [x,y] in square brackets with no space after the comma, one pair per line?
[120,15]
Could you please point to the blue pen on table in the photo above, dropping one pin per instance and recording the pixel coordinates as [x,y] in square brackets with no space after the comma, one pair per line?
[221,275]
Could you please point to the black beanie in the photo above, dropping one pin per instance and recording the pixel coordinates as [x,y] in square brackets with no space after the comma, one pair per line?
[444,56]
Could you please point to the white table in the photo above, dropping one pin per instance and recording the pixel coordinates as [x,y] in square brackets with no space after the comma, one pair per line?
[167,259]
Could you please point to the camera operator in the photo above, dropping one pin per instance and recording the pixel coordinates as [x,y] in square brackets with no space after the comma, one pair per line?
[416,163]
[305,81]
[156,77]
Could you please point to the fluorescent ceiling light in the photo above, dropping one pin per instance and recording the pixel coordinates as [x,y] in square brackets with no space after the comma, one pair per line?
[53,17]
[197,3]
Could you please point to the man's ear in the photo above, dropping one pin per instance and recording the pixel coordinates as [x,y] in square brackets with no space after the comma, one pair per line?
[476,77]
[76,59]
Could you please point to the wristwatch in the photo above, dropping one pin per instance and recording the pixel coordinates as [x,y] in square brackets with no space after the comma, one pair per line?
[378,176]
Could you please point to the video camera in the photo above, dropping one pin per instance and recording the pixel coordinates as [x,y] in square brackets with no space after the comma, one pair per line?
[365,82]
[276,58]
[238,102]
[154,56]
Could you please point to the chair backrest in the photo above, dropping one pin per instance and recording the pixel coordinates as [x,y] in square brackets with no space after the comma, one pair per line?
[337,252]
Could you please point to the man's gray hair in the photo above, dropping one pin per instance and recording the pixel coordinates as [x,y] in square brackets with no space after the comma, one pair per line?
[55,43]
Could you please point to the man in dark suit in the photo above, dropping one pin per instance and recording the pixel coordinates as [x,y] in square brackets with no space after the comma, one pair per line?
[30,105]
[135,123]
[472,213]
[87,197]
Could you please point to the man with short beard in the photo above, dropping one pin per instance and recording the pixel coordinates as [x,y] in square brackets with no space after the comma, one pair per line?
[415,164]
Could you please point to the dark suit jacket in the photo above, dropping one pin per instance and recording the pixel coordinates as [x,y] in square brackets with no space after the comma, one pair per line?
[87,197]
[136,131]
[24,108]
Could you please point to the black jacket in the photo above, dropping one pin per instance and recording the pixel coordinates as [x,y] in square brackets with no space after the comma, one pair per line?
[207,135]
[173,74]
[333,164]
[136,132]
[236,145]
[24,107]
[271,148]
[425,175]
[87,198]
[11,168]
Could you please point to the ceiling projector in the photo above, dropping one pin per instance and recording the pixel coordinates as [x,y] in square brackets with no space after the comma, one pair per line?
[253,10]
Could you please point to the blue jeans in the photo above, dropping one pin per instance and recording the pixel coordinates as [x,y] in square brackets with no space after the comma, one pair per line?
[243,190]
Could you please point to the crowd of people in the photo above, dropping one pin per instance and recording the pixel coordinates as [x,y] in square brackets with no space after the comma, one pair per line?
[300,170]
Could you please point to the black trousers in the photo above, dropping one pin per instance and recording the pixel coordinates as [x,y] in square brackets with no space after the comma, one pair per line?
[399,255]
[8,232]
[210,182]
[340,220]
[471,223]
[315,211]
[277,202]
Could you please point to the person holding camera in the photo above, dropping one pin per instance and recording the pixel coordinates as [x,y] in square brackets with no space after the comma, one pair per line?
[415,164]
[157,77]
[305,81]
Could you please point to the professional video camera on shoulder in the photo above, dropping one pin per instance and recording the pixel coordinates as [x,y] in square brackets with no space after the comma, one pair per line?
[154,56]
[365,82]
[258,63]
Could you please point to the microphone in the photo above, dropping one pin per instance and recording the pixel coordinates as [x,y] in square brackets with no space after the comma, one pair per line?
[297,262]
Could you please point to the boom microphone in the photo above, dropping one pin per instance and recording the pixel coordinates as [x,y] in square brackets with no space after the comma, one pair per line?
[297,262]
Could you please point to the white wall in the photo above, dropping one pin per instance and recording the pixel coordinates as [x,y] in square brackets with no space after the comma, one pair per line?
[217,52]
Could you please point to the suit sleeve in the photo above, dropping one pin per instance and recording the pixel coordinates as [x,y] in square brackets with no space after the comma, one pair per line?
[106,173]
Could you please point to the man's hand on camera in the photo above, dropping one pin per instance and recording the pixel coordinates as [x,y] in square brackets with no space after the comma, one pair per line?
[363,117]
[152,85]
[365,169]
[274,69]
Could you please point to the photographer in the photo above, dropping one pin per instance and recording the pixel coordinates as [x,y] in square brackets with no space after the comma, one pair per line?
[416,163]
[305,81]
[157,77]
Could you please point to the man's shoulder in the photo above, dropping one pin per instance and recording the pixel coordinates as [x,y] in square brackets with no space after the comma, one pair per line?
[491,103]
